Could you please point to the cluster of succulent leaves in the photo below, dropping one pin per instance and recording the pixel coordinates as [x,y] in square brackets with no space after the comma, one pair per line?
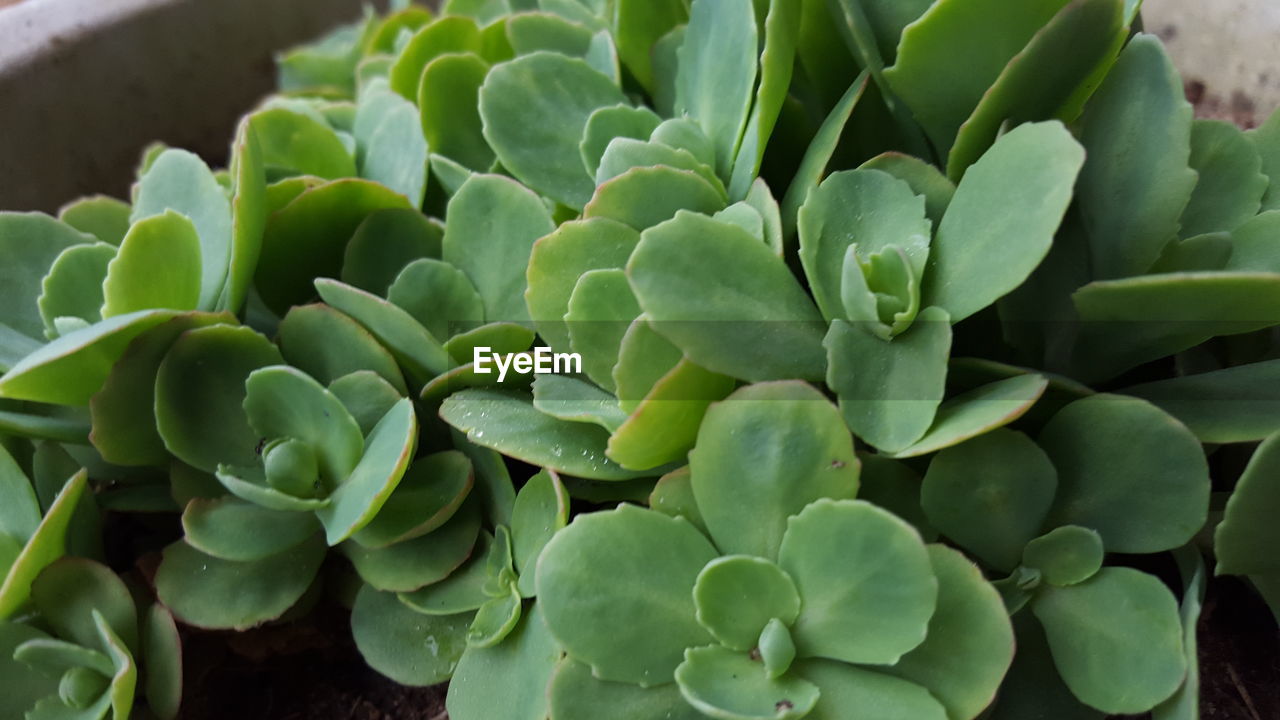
[906,329]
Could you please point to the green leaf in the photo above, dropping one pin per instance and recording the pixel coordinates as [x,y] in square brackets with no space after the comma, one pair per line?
[644,358]
[1185,703]
[463,591]
[541,510]
[722,683]
[624,153]
[1248,528]
[406,646]
[509,423]
[762,455]
[413,346]
[24,685]
[327,344]
[1033,690]
[1002,477]
[250,483]
[1129,471]
[970,643]
[1009,204]
[69,370]
[1136,183]
[206,369]
[509,680]
[229,528]
[865,578]
[941,92]
[1131,321]
[47,544]
[428,495]
[495,619]
[448,99]
[889,392]
[760,198]
[1253,246]
[439,296]
[248,214]
[530,32]
[73,286]
[1266,139]
[925,180]
[492,225]
[777,61]
[298,143]
[407,566]
[384,244]
[607,123]
[180,181]
[883,696]
[366,396]
[1231,184]
[600,310]
[978,411]
[737,596]
[750,321]
[30,242]
[162,648]
[70,591]
[868,208]
[125,679]
[157,266]
[1065,556]
[19,508]
[813,166]
[450,34]
[500,337]
[717,74]
[387,452]
[395,154]
[569,398]
[1116,639]
[1048,78]
[632,570]
[102,216]
[206,592]
[576,694]
[535,109]
[637,26]
[1222,406]
[663,426]
[307,238]
[685,134]
[643,197]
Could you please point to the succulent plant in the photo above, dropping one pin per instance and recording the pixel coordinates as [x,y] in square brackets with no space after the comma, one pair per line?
[842,281]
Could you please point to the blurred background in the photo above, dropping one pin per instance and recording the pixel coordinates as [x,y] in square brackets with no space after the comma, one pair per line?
[86,84]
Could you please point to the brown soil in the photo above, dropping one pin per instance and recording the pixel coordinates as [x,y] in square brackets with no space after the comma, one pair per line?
[306,670]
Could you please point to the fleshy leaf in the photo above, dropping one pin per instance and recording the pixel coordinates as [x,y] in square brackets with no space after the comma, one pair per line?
[535,109]
[643,197]
[69,592]
[1136,182]
[431,491]
[570,398]
[1002,477]
[1065,556]
[737,596]
[860,606]
[47,544]
[102,216]
[509,423]
[634,569]
[416,349]
[1010,203]
[1231,405]
[608,123]
[980,410]
[463,591]
[889,391]
[450,34]
[509,680]
[1248,532]
[231,529]
[576,694]
[406,646]
[750,320]
[970,643]
[726,684]
[664,425]
[541,510]
[491,227]
[283,402]
[437,295]
[885,697]
[762,455]
[717,73]
[162,648]
[73,286]
[326,344]
[407,566]
[448,98]
[1230,185]
[1116,639]
[387,452]
[206,592]
[384,244]
[1129,471]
